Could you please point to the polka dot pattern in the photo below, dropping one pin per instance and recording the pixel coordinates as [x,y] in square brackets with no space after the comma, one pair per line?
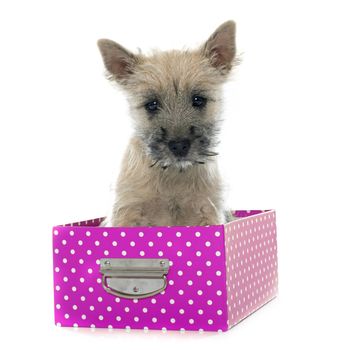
[194,299]
[218,275]
[251,263]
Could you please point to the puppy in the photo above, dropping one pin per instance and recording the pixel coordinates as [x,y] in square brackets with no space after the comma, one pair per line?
[169,173]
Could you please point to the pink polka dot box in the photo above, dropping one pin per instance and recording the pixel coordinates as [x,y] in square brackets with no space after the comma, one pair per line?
[196,278]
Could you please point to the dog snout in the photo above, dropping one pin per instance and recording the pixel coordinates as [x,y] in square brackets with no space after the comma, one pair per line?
[179,148]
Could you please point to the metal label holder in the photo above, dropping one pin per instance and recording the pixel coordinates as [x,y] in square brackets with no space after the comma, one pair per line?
[134,278]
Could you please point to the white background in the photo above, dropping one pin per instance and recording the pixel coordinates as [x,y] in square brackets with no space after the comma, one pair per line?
[285,145]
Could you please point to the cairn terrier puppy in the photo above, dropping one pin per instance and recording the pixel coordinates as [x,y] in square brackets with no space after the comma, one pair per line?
[169,173]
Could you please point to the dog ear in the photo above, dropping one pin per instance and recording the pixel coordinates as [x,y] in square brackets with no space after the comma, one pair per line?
[118,61]
[220,48]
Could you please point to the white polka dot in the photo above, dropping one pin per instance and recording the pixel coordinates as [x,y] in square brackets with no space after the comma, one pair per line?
[200,312]
[66,316]
[57,269]
[136,319]
[117,300]
[145,310]
[189,263]
[81,261]
[210,321]
[126,309]
[217,234]
[58,306]
[199,292]
[188,244]
[124,253]
[172,320]
[217,253]
[154,319]
[141,234]
[208,263]
[91,289]
[198,253]
[198,234]
[83,316]
[160,253]
[172,301]
[114,243]
[189,282]
[163,311]
[88,233]
[106,252]
[180,273]
[90,271]
[109,309]
[142,253]
[190,302]
[118,318]
[55,232]
[75,307]
[210,302]
[159,234]
[150,244]
[199,273]
[153,301]
[73,270]
[191,320]
[181,311]
[88,252]
[64,242]
[82,279]
[179,253]
[132,243]
[207,244]
[122,234]
[209,283]
[80,242]
[178,234]
[169,244]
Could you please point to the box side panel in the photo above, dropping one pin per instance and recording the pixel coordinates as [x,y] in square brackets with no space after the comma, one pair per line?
[195,298]
[251,264]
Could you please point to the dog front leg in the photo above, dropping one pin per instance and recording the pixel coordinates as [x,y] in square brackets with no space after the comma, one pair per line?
[129,216]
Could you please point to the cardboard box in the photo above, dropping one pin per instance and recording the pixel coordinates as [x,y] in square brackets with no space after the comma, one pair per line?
[205,278]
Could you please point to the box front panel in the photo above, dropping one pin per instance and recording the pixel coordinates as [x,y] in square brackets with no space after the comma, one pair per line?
[194,299]
[251,261]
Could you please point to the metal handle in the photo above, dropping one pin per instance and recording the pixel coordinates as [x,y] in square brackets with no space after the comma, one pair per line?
[134,278]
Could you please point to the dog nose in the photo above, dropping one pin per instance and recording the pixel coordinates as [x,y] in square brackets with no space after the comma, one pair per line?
[179,148]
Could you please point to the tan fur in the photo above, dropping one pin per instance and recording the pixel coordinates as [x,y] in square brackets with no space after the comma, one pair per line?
[156,188]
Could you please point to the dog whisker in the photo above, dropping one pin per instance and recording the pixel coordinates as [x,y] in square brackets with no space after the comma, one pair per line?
[152,165]
[209,154]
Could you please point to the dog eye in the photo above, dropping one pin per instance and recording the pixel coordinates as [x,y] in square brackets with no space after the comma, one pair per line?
[152,106]
[198,101]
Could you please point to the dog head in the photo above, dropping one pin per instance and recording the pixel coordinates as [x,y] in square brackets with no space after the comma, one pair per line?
[175,96]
